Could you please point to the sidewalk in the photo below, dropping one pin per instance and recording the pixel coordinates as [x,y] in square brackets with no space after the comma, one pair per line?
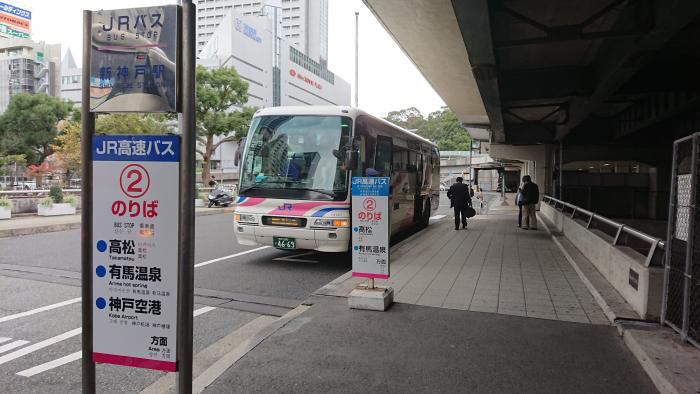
[27,225]
[488,309]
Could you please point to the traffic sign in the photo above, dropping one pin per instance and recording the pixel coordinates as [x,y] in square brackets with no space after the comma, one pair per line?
[370,227]
[135,255]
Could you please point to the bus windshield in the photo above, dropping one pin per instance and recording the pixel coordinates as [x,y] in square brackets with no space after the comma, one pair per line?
[297,154]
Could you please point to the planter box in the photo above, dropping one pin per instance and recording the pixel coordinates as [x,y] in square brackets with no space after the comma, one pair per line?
[5,213]
[198,202]
[56,209]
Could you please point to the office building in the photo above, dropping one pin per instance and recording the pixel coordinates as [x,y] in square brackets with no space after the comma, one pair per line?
[303,23]
[28,67]
[246,43]
[71,79]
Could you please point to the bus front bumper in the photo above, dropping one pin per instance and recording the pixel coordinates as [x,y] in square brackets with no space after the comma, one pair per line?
[322,240]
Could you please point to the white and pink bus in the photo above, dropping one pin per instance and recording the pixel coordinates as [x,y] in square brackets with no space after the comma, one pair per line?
[295,176]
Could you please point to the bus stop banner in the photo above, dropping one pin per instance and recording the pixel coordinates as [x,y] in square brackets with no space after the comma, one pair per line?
[135,255]
[370,227]
[134,60]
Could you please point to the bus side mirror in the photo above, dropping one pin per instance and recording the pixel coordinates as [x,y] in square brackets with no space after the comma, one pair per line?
[352,159]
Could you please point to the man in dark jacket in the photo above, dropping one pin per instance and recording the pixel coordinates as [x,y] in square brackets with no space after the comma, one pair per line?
[460,196]
[529,198]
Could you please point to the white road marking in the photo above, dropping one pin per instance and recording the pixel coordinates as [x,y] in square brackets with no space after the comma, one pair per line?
[39,310]
[79,354]
[75,300]
[229,256]
[4,339]
[437,217]
[12,345]
[51,364]
[294,258]
[39,345]
[202,311]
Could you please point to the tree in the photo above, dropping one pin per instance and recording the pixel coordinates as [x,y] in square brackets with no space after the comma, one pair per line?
[441,126]
[9,164]
[67,149]
[39,171]
[218,90]
[67,143]
[29,125]
[408,118]
[133,123]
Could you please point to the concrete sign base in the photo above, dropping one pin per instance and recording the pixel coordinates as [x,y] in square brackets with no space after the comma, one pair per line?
[376,299]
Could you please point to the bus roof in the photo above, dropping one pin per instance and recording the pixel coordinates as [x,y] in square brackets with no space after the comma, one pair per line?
[332,110]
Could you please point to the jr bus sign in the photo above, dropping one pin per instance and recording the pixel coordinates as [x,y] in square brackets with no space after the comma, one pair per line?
[135,252]
[370,227]
[134,60]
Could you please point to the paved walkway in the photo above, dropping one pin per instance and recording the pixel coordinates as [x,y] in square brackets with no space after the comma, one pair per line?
[491,267]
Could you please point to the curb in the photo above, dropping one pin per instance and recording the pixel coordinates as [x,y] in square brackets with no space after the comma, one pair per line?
[609,313]
[628,335]
[16,232]
[657,377]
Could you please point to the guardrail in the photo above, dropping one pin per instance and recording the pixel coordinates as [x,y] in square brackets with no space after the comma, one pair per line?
[622,235]
[32,193]
[37,193]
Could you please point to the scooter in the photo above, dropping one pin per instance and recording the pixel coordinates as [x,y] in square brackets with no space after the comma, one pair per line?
[220,197]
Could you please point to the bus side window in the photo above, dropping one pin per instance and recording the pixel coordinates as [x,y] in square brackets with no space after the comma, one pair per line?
[382,160]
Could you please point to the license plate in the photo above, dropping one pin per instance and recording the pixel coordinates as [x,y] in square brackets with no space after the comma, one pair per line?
[284,243]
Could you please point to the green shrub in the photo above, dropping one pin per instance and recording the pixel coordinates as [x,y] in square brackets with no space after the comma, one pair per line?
[46,202]
[72,200]
[56,194]
[5,202]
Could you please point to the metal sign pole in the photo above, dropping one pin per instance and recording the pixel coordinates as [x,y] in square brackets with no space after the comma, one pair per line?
[87,131]
[187,213]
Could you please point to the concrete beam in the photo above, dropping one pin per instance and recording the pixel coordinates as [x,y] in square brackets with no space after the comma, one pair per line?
[474,20]
[618,61]
[521,86]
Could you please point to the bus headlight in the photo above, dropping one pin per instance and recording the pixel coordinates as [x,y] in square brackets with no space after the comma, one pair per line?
[332,223]
[244,218]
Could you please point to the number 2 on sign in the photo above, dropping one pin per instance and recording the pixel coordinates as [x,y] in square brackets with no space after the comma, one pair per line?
[134,180]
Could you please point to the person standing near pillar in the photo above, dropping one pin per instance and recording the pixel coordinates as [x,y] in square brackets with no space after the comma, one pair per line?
[460,196]
[529,197]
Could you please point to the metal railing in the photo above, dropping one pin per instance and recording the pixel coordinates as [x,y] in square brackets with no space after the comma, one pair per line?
[622,235]
[33,192]
[40,192]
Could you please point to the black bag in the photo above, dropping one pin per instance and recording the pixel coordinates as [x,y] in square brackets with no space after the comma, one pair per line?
[471,212]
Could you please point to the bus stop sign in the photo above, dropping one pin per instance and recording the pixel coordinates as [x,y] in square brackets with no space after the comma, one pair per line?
[370,227]
[135,234]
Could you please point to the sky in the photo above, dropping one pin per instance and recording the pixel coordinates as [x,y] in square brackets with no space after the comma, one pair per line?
[388,80]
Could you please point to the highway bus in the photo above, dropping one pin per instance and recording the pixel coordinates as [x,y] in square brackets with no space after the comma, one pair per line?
[295,174]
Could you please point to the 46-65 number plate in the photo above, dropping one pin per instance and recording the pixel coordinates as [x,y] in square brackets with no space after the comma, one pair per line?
[284,243]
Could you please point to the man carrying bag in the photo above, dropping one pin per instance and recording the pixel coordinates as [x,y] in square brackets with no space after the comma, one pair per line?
[460,196]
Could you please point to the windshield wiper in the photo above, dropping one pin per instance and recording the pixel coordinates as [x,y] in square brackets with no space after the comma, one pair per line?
[331,194]
[261,184]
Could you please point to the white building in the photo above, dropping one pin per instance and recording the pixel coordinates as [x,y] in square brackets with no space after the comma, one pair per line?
[303,23]
[71,79]
[246,43]
[28,67]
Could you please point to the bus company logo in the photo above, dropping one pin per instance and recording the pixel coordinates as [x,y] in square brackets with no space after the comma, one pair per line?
[286,207]
[305,79]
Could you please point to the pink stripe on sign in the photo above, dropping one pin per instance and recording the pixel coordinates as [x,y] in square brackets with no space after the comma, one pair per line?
[371,276]
[167,366]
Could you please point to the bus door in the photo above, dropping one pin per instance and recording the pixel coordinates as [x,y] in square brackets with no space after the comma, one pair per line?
[383,159]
